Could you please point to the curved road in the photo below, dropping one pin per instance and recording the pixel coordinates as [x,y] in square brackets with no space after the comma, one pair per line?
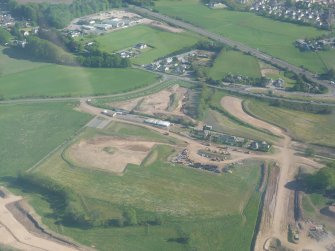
[241,47]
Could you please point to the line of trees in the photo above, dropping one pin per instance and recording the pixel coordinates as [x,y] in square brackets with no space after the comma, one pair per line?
[304,106]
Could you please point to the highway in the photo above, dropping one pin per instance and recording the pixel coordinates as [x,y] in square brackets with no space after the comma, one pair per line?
[239,46]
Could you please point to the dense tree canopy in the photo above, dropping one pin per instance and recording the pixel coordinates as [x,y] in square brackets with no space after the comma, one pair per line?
[323,181]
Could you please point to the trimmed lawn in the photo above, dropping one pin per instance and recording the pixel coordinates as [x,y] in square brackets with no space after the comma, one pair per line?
[270,36]
[57,80]
[234,62]
[162,42]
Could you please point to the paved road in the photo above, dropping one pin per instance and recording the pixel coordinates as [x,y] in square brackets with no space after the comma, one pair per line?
[241,47]
[247,93]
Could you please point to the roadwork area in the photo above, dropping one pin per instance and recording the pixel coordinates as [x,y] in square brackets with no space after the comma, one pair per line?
[277,209]
[14,234]
[109,153]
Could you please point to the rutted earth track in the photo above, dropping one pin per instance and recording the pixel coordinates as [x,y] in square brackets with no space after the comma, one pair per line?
[277,211]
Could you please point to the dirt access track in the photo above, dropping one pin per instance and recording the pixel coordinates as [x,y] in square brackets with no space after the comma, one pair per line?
[279,209]
[109,153]
[14,234]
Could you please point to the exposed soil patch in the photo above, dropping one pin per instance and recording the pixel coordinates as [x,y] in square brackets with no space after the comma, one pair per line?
[20,211]
[266,72]
[159,102]
[162,26]
[109,153]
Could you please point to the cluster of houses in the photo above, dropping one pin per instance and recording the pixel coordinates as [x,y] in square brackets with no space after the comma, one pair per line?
[216,5]
[97,26]
[315,44]
[220,138]
[6,20]
[276,83]
[133,51]
[306,12]
[181,64]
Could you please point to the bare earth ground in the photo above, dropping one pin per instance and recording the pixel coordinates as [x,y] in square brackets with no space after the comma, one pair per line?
[109,153]
[164,26]
[155,103]
[14,234]
[265,72]
[277,212]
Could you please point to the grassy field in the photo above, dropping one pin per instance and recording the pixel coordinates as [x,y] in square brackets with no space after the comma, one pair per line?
[306,127]
[22,78]
[162,42]
[312,204]
[209,209]
[30,131]
[10,65]
[57,80]
[236,63]
[222,123]
[128,130]
[273,37]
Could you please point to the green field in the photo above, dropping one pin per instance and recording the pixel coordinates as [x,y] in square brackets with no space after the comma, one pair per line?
[303,126]
[222,123]
[163,42]
[234,62]
[10,65]
[273,37]
[22,78]
[209,209]
[30,131]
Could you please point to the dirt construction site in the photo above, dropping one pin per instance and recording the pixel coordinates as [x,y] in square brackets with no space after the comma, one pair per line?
[160,102]
[279,206]
[109,153]
[21,229]
[113,153]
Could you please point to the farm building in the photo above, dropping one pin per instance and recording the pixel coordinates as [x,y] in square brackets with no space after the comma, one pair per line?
[141,46]
[260,146]
[156,122]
